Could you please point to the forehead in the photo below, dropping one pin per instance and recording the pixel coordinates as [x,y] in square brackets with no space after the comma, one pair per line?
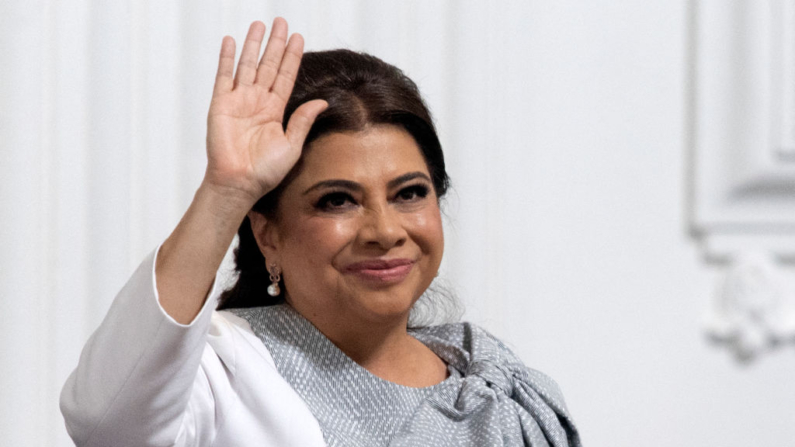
[380,152]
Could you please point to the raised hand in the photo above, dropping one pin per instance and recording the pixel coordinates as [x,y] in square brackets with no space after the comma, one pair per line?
[248,154]
[248,151]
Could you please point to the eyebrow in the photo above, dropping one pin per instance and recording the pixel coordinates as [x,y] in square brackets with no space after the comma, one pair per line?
[353,186]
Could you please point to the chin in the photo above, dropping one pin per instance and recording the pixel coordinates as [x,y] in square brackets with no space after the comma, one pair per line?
[384,307]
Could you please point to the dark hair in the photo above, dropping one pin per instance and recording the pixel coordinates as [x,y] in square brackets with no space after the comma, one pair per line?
[361,90]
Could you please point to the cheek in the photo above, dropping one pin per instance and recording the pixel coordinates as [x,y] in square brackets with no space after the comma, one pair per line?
[315,241]
[427,230]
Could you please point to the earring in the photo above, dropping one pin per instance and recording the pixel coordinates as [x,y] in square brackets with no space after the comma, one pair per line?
[275,277]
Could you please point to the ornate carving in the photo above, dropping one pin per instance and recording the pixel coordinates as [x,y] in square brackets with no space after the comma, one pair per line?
[752,310]
[743,178]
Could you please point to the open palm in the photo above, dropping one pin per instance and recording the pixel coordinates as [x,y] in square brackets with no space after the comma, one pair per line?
[248,151]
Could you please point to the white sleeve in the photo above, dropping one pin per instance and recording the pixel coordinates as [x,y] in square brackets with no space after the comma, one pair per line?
[138,381]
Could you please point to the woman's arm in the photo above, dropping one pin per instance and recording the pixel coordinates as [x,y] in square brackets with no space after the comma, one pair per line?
[137,382]
[248,155]
[138,372]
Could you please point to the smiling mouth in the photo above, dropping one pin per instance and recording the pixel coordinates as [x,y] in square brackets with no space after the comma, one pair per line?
[387,271]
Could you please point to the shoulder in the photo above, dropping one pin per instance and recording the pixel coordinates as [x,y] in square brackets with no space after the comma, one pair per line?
[233,341]
[470,348]
[469,337]
[251,398]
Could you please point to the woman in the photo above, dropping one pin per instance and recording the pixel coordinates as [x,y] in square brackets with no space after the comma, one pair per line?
[314,350]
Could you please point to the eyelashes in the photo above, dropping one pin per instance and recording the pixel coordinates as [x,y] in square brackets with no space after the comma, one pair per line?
[413,192]
[337,200]
[343,200]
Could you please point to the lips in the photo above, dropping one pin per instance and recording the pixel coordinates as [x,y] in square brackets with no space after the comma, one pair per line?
[385,271]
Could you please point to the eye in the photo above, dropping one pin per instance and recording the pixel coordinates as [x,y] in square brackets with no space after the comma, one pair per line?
[412,193]
[335,201]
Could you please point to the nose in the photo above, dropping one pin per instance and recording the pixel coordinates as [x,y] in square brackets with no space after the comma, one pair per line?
[382,227]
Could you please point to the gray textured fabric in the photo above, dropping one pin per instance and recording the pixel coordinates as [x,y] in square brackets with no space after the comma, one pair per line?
[489,399]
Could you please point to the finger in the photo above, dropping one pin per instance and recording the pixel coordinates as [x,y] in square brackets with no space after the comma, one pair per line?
[269,65]
[224,78]
[301,121]
[247,66]
[285,79]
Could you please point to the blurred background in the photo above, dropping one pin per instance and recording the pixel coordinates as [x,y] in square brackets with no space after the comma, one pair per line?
[565,128]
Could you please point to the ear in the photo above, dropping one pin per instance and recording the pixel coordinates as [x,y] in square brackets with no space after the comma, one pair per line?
[267,236]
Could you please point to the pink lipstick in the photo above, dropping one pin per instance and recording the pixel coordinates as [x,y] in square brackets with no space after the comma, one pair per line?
[385,271]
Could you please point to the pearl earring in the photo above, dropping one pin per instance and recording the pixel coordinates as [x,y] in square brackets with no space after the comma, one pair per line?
[275,277]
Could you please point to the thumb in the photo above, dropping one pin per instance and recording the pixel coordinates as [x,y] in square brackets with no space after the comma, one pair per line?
[301,121]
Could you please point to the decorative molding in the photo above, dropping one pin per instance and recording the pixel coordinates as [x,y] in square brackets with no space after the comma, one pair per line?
[743,173]
[784,54]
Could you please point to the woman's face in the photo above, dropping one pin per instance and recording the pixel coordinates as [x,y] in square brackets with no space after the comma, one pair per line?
[358,233]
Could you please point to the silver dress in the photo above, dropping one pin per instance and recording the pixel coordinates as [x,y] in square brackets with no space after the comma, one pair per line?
[489,399]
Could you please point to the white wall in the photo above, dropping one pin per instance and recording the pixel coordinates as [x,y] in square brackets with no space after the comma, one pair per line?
[564,124]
